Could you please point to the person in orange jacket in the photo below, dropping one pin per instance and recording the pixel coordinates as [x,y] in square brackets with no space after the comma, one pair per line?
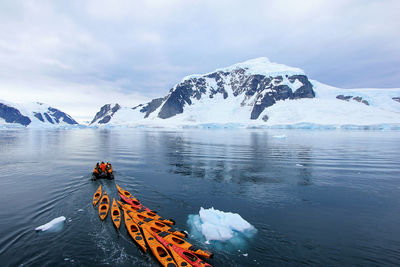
[109,168]
[103,166]
[96,169]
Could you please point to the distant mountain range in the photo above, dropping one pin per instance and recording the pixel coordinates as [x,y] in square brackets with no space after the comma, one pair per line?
[254,93]
[33,114]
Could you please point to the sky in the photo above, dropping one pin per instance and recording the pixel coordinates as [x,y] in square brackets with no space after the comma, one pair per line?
[80,55]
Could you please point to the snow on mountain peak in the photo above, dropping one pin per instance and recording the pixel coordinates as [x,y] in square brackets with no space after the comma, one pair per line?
[264,66]
[260,65]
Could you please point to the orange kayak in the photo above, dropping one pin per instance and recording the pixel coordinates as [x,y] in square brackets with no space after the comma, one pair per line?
[126,194]
[180,255]
[156,224]
[134,231]
[179,242]
[96,196]
[159,251]
[115,214]
[146,212]
[104,206]
[129,198]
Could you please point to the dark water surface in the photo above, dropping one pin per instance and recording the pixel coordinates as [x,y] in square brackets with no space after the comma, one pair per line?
[323,198]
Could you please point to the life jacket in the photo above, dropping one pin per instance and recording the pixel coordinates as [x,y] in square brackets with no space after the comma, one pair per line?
[109,168]
[103,167]
[95,170]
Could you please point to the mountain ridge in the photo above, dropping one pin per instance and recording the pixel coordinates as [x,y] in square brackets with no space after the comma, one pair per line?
[259,93]
[34,114]
[258,83]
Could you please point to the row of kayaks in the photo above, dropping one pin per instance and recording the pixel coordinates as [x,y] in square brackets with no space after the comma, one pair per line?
[148,229]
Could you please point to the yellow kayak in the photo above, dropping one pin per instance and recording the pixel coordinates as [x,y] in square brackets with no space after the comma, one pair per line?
[148,214]
[104,206]
[115,214]
[126,193]
[156,224]
[134,231]
[159,251]
[96,196]
[179,242]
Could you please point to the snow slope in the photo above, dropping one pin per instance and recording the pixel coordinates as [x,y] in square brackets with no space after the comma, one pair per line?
[326,110]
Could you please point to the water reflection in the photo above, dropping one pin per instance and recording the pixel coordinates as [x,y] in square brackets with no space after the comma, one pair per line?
[256,158]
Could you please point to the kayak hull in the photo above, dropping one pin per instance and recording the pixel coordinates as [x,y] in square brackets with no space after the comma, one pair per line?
[150,221]
[159,251]
[115,214]
[104,206]
[134,231]
[97,196]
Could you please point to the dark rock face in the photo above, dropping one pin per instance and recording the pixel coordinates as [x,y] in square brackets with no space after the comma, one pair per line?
[151,106]
[48,118]
[58,115]
[265,89]
[396,99]
[39,116]
[355,98]
[105,119]
[182,95]
[105,113]
[342,97]
[12,115]
[306,90]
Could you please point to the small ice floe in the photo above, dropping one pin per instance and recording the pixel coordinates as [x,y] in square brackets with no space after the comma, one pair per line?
[299,165]
[54,225]
[207,242]
[81,210]
[212,224]
[245,254]
[69,220]
[282,136]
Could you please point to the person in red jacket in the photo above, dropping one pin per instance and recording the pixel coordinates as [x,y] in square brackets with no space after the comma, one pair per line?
[103,167]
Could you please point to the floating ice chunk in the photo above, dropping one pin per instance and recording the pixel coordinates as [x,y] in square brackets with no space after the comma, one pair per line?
[53,226]
[245,254]
[279,136]
[218,225]
[299,165]
[80,210]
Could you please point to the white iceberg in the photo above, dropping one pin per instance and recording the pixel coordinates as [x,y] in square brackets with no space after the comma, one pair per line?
[279,136]
[53,226]
[217,225]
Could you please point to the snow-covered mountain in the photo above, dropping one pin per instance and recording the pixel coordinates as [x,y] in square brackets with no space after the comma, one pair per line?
[33,115]
[258,93]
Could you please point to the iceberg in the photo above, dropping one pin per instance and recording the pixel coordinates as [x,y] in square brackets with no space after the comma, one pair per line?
[218,226]
[54,225]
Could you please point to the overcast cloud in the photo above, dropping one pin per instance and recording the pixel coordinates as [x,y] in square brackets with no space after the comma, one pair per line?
[79,55]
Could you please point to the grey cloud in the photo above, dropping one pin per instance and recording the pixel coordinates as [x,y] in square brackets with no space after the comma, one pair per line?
[145,47]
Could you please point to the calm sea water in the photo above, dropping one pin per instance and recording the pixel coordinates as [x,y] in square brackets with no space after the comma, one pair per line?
[323,198]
